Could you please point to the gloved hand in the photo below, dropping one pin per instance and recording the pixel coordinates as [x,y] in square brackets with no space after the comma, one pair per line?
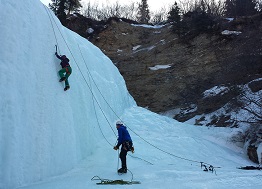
[115,148]
[132,149]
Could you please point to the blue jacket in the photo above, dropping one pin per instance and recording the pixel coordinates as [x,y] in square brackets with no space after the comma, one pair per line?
[123,135]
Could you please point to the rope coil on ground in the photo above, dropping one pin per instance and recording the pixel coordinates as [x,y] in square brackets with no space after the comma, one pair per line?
[114,182]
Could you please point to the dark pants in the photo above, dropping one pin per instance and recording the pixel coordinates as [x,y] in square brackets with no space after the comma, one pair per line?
[126,146]
[122,156]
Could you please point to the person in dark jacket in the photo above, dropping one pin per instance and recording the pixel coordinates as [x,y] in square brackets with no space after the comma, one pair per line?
[125,140]
[66,70]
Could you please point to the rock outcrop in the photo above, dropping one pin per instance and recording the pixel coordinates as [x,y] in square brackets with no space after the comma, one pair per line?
[162,73]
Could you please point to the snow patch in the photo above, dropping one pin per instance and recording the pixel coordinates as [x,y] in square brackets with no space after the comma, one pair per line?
[229,19]
[90,30]
[227,32]
[148,26]
[216,90]
[136,47]
[158,67]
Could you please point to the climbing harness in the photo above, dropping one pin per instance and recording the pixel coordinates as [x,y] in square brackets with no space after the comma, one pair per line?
[67,70]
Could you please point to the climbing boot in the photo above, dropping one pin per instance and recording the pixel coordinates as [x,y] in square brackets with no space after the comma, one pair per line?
[62,79]
[66,88]
[122,170]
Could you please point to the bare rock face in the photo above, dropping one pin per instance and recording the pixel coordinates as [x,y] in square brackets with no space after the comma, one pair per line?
[162,73]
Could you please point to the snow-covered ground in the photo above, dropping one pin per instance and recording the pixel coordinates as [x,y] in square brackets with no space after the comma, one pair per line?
[58,140]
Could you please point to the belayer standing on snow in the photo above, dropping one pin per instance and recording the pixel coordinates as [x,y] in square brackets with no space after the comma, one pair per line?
[125,140]
[66,70]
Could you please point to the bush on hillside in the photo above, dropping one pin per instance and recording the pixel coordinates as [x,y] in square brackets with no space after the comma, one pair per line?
[194,23]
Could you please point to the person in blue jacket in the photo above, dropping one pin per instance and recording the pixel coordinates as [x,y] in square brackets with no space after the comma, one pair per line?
[66,70]
[125,140]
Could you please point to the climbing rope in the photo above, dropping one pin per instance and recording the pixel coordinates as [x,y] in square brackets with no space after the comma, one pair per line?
[57,49]
[113,182]
[93,96]
[140,159]
[211,167]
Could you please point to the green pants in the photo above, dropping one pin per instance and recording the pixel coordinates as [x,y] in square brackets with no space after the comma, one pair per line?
[65,72]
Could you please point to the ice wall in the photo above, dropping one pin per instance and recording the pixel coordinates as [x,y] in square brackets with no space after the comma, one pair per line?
[45,131]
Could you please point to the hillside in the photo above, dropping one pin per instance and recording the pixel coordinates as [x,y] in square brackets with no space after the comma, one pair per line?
[162,73]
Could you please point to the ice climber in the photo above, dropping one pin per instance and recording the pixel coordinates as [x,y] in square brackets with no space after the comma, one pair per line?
[66,70]
[125,140]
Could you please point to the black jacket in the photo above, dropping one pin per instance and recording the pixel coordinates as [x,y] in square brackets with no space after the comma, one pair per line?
[64,61]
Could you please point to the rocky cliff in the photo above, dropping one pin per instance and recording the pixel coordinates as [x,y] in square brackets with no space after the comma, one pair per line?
[164,73]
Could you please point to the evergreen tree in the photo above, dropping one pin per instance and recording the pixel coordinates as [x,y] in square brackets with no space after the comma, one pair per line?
[143,12]
[236,8]
[73,5]
[60,7]
[174,15]
[61,15]
[54,6]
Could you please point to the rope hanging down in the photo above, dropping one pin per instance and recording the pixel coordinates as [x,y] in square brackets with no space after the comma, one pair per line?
[93,96]
[57,50]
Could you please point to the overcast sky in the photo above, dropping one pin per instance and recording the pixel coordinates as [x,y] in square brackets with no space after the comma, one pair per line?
[153,4]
